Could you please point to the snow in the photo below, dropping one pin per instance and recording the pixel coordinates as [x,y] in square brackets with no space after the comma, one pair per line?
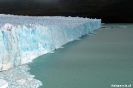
[23,38]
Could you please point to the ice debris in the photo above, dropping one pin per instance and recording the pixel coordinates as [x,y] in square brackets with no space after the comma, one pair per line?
[19,77]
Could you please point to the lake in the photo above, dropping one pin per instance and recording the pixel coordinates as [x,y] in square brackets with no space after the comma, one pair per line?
[96,61]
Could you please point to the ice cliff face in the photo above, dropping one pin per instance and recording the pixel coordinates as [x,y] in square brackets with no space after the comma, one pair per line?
[23,38]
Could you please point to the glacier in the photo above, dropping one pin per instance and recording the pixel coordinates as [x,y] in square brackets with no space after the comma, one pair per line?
[23,38]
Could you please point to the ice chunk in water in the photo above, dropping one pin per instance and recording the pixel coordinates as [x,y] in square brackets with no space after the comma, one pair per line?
[3,83]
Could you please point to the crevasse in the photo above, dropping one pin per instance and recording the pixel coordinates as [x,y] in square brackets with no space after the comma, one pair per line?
[23,38]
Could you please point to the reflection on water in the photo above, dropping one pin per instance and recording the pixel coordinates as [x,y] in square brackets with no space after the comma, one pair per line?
[95,61]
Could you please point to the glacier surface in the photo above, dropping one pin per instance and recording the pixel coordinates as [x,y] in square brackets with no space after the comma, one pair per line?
[23,38]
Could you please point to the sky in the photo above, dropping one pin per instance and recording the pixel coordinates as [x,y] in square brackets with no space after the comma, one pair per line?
[110,11]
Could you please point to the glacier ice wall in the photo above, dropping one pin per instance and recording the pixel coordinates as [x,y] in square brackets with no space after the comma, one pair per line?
[23,38]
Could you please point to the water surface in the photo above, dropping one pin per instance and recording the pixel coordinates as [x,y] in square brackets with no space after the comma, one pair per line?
[95,61]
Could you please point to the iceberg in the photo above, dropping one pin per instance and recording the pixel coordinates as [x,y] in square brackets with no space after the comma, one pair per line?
[3,83]
[23,38]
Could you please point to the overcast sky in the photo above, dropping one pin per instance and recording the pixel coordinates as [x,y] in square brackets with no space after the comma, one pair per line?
[107,10]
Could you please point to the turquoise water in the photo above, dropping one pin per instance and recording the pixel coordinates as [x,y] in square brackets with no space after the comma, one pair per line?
[95,61]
